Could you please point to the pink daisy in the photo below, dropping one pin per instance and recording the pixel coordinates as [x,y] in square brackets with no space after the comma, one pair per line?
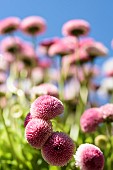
[46,107]
[107,112]
[11,45]
[37,132]
[45,88]
[76,28]
[58,149]
[91,119]
[9,25]
[46,44]
[89,157]
[63,47]
[33,25]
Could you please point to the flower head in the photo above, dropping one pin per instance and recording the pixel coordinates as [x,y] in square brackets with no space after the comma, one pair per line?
[9,25]
[11,45]
[46,44]
[62,47]
[107,112]
[45,88]
[76,28]
[90,119]
[95,49]
[33,25]
[37,132]
[89,157]
[58,149]
[46,107]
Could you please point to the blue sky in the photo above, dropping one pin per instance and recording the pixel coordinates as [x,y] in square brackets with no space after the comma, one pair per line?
[99,13]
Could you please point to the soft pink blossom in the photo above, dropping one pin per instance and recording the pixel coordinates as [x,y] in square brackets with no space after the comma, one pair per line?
[11,45]
[9,25]
[89,157]
[91,119]
[46,107]
[45,88]
[107,112]
[63,47]
[58,149]
[76,27]
[37,132]
[33,25]
[46,44]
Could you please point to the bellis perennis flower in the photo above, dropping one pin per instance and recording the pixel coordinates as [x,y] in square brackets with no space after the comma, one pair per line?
[37,132]
[46,107]
[89,157]
[90,119]
[58,149]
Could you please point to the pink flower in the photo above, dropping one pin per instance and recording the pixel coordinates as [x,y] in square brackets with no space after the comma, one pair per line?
[46,107]
[33,25]
[79,57]
[107,112]
[28,55]
[96,49]
[76,28]
[85,42]
[46,44]
[91,119]
[11,45]
[45,88]
[63,47]
[58,149]
[89,157]
[27,119]
[37,132]
[9,25]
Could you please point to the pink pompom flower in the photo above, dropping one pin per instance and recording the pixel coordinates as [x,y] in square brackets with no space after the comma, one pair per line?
[63,46]
[37,132]
[12,45]
[96,49]
[76,27]
[46,44]
[46,107]
[9,25]
[107,112]
[91,119]
[58,149]
[89,157]
[45,88]
[33,25]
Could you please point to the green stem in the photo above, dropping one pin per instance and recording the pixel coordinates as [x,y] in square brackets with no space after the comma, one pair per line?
[61,81]
[109,135]
[10,142]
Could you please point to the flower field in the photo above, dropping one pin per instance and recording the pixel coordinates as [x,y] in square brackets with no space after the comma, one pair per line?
[56,101]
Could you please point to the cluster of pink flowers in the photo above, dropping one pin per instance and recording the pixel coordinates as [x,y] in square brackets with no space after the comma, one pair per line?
[57,147]
[69,45]
[93,117]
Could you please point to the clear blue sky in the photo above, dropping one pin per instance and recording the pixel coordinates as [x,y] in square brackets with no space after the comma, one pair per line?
[99,13]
